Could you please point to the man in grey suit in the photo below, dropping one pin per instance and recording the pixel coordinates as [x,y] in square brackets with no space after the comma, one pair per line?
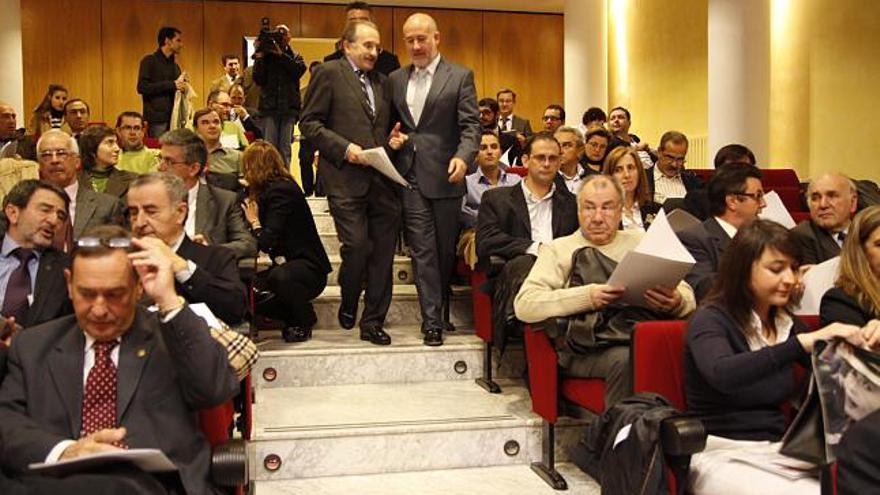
[215,217]
[58,155]
[347,110]
[115,375]
[440,127]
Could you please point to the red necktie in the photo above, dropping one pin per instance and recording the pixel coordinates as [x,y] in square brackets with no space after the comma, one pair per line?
[99,399]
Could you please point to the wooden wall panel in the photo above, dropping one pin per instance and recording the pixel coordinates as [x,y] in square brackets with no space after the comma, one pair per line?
[129,33]
[74,61]
[524,52]
[227,22]
[461,38]
[328,21]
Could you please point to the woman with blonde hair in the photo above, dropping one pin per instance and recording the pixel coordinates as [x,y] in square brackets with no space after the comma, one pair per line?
[282,223]
[639,210]
[49,114]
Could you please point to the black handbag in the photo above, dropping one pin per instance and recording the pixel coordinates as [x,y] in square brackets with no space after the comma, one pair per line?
[805,437]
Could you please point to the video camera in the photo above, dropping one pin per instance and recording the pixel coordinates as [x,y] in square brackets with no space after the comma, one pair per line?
[269,39]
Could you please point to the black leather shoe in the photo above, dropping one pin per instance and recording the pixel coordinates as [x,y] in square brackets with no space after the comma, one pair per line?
[433,337]
[296,334]
[375,335]
[346,319]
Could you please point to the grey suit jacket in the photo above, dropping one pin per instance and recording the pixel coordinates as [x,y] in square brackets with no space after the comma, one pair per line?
[522,125]
[335,114]
[93,208]
[816,243]
[449,127]
[166,373]
[220,218]
[117,183]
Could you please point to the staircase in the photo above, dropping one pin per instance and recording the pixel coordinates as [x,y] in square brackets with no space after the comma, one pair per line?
[339,415]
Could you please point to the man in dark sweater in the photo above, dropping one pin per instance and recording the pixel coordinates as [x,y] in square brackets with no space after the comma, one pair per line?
[159,78]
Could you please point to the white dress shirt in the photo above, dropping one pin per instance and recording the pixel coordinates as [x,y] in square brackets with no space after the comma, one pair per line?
[71,191]
[667,187]
[540,217]
[419,86]
[192,200]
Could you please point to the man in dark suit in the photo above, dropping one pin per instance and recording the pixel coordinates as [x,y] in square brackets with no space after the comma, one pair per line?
[386,62]
[157,205]
[436,103]
[515,222]
[115,375]
[507,121]
[736,197]
[35,212]
[214,216]
[668,179]
[58,155]
[347,110]
[832,199]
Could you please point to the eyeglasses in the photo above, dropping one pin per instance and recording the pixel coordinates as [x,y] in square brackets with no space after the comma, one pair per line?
[93,242]
[49,154]
[165,160]
[757,196]
[605,211]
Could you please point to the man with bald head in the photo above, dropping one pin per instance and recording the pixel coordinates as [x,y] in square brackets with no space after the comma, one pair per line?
[832,199]
[436,105]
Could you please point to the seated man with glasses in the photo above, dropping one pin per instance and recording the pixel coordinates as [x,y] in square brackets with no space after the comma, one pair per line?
[736,197]
[135,157]
[516,222]
[557,287]
[554,116]
[668,178]
[232,135]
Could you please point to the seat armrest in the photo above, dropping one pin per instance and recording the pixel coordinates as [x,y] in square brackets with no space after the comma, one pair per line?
[496,264]
[229,463]
[682,436]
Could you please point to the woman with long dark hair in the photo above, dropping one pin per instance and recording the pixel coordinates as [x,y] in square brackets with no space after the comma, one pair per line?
[283,225]
[740,350]
[49,114]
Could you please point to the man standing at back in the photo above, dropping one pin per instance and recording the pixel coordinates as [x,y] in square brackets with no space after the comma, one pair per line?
[436,103]
[348,110]
[159,78]
[386,62]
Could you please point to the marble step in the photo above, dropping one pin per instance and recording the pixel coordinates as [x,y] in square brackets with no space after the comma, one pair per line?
[402,270]
[341,358]
[404,310]
[493,480]
[318,205]
[330,242]
[311,432]
[324,222]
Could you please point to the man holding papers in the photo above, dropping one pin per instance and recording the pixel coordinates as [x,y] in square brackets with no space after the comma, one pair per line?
[347,110]
[548,291]
[736,197]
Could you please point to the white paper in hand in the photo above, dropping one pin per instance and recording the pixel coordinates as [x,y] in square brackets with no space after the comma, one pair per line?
[817,281]
[659,259]
[378,159]
[148,460]
[776,211]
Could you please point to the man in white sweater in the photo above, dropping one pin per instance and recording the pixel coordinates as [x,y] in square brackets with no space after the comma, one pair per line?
[546,293]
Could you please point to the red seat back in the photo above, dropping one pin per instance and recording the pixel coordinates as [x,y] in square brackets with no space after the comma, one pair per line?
[151,142]
[704,174]
[800,216]
[588,393]
[790,196]
[658,359]
[215,422]
[779,177]
[543,373]
[520,171]
[482,306]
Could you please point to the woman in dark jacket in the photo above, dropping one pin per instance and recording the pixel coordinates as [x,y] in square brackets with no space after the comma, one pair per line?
[638,209]
[740,349]
[283,225]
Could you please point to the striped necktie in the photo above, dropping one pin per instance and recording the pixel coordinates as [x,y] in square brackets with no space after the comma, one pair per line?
[362,78]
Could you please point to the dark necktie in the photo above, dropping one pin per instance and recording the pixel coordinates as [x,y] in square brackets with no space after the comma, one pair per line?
[15,302]
[841,236]
[506,124]
[99,398]
[362,78]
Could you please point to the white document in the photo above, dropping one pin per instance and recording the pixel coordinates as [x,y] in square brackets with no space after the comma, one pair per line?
[378,159]
[817,281]
[681,220]
[776,211]
[148,460]
[659,259]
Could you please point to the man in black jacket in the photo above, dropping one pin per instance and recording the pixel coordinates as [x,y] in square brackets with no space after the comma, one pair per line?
[386,62]
[277,72]
[159,78]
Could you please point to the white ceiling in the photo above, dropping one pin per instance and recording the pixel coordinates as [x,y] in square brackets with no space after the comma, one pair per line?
[555,6]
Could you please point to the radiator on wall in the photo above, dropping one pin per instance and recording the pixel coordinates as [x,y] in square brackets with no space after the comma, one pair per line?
[698,152]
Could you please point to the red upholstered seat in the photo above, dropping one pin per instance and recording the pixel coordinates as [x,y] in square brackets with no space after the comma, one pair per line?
[779,177]
[520,171]
[790,196]
[251,137]
[658,359]
[151,142]
[704,174]
[800,216]
[588,393]
[216,421]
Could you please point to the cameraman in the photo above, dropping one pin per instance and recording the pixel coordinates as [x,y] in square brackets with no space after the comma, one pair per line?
[277,72]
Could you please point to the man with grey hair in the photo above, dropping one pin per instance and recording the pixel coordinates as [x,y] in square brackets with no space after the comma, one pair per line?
[58,156]
[157,206]
[571,173]
[547,293]
[214,215]
[668,178]
[832,198]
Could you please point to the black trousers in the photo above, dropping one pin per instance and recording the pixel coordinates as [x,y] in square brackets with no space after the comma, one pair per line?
[295,284]
[367,228]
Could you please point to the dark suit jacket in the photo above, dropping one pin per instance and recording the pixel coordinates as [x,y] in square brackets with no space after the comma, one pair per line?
[449,127]
[117,184]
[166,372]
[93,208]
[816,243]
[336,113]
[288,228]
[690,180]
[215,281]
[706,243]
[386,63]
[503,226]
[521,125]
[219,217]
[50,289]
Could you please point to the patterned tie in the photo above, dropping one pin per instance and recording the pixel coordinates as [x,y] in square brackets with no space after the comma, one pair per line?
[362,78]
[420,93]
[99,399]
[15,302]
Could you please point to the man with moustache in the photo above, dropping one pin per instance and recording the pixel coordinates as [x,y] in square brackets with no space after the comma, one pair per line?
[347,110]
[436,103]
